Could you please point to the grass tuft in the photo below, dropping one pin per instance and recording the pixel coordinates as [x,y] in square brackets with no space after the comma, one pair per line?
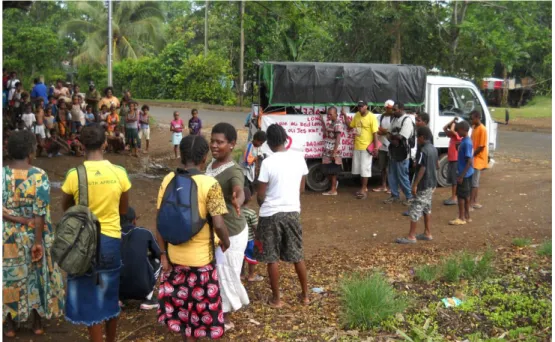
[367,300]
[452,270]
[522,242]
[427,273]
[545,249]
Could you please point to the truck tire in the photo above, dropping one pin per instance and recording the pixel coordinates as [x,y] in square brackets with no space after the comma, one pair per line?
[316,180]
[442,172]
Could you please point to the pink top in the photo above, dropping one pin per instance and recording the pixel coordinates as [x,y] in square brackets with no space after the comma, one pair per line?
[454,142]
[177,125]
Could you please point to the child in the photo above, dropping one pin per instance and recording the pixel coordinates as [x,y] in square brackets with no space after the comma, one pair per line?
[112,121]
[75,145]
[28,117]
[40,129]
[144,121]
[454,141]
[49,119]
[332,160]
[252,222]
[195,124]
[279,233]
[464,174]
[63,112]
[89,116]
[75,115]
[423,186]
[116,143]
[52,145]
[103,115]
[252,159]
[176,127]
[40,104]
[62,126]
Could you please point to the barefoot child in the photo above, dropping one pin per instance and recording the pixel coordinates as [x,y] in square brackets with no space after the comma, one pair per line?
[75,146]
[176,127]
[28,117]
[454,141]
[195,123]
[144,121]
[279,233]
[423,186]
[252,159]
[39,128]
[332,160]
[252,222]
[464,174]
[49,119]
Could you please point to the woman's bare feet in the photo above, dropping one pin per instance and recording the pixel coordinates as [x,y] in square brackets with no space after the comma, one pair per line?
[275,304]
[303,298]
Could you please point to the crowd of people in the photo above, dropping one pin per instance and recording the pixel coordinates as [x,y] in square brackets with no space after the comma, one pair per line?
[200,279]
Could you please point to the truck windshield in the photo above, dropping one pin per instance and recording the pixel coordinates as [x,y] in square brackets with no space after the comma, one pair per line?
[459,102]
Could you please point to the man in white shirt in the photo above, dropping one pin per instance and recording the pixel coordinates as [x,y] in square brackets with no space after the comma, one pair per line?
[383,157]
[279,232]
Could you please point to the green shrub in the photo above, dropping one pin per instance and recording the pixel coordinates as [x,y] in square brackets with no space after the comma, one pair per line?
[484,266]
[452,270]
[521,242]
[474,267]
[427,273]
[545,249]
[367,300]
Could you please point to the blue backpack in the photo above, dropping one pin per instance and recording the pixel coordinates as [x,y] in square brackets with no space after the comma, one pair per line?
[178,218]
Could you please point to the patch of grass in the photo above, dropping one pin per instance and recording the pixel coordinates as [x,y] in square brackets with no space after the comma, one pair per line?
[367,300]
[539,107]
[427,273]
[452,270]
[522,242]
[468,266]
[545,249]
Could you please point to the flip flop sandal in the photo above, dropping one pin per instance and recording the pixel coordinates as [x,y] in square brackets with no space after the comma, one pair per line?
[405,241]
[274,306]
[423,237]
[457,222]
[468,220]
[379,190]
[329,193]
[477,206]
[362,196]
[449,202]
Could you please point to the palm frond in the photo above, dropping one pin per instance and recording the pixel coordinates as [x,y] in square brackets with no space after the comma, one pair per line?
[126,50]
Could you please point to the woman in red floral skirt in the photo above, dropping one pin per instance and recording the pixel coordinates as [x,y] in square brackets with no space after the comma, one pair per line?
[189,293]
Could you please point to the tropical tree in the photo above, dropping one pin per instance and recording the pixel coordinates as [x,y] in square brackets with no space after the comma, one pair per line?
[136,27]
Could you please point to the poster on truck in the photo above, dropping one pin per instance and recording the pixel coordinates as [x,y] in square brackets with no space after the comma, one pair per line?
[306,134]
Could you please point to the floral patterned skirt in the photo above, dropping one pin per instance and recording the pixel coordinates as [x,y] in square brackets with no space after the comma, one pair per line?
[190,301]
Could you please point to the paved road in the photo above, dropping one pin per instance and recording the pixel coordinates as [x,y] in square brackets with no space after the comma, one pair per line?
[518,144]
[164,115]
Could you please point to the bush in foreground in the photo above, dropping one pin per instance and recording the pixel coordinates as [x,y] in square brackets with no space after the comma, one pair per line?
[366,300]
[522,242]
[545,249]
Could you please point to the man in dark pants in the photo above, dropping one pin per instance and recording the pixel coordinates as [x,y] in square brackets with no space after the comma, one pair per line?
[141,262]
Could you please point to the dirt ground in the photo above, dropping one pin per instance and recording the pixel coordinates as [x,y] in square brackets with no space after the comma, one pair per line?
[516,195]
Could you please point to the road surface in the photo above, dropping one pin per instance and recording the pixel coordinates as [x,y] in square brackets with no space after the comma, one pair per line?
[164,115]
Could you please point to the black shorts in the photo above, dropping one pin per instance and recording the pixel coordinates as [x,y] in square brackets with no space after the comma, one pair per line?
[279,237]
[463,189]
[383,160]
[452,173]
[331,169]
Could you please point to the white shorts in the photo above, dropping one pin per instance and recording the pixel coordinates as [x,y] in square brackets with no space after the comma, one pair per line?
[40,130]
[362,163]
[144,133]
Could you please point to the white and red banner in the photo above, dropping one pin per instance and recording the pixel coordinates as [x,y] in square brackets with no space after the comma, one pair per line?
[306,134]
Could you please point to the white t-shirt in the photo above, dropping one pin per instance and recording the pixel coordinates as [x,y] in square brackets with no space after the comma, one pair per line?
[11,83]
[385,122]
[28,119]
[283,172]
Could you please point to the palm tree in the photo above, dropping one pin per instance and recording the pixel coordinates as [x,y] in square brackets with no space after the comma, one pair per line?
[135,24]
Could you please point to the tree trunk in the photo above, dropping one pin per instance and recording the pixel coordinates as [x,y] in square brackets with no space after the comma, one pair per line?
[206,29]
[396,49]
[505,97]
[242,54]
[456,20]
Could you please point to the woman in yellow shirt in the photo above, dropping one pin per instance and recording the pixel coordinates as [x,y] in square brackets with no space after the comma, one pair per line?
[108,185]
[189,294]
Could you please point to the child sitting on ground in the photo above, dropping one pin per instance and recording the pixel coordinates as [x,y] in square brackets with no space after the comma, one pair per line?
[252,159]
[75,146]
[252,222]
[52,145]
[116,142]
[89,116]
[195,123]
[103,115]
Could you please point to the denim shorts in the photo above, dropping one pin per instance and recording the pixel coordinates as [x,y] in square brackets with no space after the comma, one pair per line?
[90,303]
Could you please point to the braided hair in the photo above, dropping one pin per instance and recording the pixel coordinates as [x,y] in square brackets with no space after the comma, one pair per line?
[276,136]
[193,148]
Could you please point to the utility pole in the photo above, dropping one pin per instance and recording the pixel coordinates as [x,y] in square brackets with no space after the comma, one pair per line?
[206,29]
[242,54]
[110,38]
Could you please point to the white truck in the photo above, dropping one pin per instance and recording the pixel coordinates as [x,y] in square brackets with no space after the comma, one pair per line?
[292,94]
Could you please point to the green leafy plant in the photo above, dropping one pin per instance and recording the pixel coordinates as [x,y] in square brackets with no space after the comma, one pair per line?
[367,300]
[545,248]
[427,273]
[426,333]
[522,242]
[452,270]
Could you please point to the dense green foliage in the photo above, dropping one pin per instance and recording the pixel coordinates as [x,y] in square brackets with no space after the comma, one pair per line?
[159,46]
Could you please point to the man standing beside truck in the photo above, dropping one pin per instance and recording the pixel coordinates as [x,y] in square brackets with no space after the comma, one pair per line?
[383,154]
[402,129]
[365,146]
[479,142]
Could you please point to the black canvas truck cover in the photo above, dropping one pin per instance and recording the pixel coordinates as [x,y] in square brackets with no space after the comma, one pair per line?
[298,83]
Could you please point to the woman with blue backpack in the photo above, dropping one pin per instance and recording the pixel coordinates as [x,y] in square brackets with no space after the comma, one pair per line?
[189,225]
[230,176]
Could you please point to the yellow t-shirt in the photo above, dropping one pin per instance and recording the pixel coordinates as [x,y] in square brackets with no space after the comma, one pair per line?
[197,251]
[365,127]
[480,138]
[106,184]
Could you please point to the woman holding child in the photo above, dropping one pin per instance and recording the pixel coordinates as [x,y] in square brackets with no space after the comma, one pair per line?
[231,179]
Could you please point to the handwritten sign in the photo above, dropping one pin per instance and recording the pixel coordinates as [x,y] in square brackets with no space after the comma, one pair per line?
[306,134]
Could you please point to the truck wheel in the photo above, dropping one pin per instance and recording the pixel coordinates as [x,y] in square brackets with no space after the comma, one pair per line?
[442,172]
[316,180]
